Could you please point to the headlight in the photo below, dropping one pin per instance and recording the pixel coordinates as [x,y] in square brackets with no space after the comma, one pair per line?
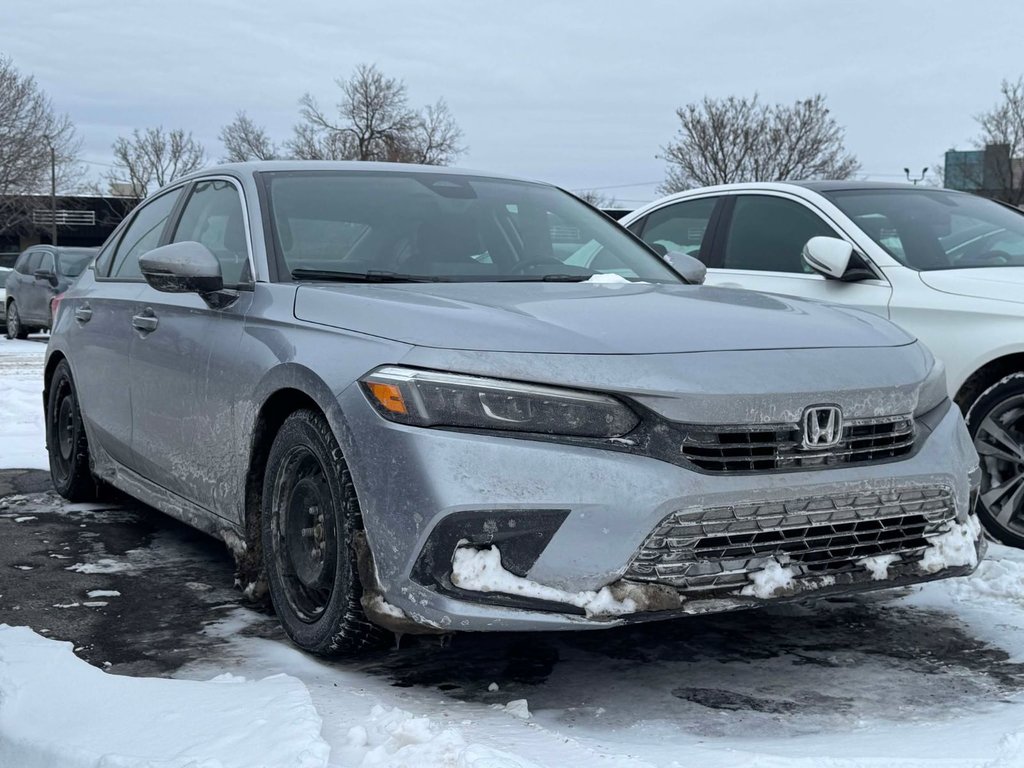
[436,399]
[933,390]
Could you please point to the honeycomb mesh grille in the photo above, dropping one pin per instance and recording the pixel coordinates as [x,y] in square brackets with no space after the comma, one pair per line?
[775,447]
[717,548]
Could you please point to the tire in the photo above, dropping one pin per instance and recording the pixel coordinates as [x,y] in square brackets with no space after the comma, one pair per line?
[14,330]
[996,424]
[67,445]
[309,526]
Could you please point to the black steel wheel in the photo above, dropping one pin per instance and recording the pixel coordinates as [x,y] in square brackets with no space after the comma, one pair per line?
[310,523]
[66,442]
[15,330]
[996,424]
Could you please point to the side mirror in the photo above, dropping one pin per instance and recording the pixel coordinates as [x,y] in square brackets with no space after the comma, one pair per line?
[186,267]
[828,256]
[692,269]
[46,274]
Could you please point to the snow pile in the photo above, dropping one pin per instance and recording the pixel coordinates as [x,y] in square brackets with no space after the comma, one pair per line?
[21,405]
[773,578]
[480,570]
[56,710]
[606,278]
[956,546]
[397,738]
[879,565]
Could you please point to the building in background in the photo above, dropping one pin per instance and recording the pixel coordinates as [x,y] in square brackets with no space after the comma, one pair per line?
[989,172]
[81,220]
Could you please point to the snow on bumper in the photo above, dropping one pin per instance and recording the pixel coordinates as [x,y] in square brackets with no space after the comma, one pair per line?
[565,524]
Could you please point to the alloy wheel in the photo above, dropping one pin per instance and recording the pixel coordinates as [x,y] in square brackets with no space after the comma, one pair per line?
[999,441]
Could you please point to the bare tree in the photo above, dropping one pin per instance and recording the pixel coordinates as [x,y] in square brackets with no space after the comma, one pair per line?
[721,141]
[1002,127]
[374,122]
[29,127]
[595,198]
[152,158]
[244,140]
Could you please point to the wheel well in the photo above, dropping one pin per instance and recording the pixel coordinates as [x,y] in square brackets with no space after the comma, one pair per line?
[51,366]
[278,407]
[986,376]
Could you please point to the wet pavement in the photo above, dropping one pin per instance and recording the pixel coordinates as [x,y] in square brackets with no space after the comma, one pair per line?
[834,661]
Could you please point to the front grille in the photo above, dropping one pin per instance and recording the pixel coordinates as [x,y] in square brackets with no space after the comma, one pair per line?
[774,447]
[717,548]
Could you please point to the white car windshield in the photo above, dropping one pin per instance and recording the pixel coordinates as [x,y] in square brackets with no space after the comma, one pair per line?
[936,229]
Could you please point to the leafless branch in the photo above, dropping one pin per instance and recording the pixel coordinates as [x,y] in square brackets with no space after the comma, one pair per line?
[721,141]
[244,140]
[152,158]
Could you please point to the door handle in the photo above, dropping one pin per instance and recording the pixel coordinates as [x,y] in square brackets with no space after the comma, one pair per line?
[145,322]
[83,314]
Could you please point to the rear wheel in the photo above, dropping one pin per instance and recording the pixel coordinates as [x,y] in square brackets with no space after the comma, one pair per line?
[310,523]
[15,330]
[996,424]
[66,442]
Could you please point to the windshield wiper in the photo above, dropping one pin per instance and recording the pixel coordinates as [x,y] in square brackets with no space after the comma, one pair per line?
[370,276]
[555,278]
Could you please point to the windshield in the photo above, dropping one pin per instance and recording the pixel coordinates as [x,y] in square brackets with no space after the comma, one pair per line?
[74,260]
[435,226]
[934,229]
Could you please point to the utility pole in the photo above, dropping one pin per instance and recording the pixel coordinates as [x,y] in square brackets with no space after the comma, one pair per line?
[914,181]
[53,193]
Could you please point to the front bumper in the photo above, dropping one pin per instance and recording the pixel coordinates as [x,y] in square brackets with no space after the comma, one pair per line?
[574,519]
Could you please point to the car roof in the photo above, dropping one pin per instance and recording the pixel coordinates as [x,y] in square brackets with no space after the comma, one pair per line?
[268,166]
[850,184]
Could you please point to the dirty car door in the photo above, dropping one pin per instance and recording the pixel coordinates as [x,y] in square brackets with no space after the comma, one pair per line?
[184,366]
[101,333]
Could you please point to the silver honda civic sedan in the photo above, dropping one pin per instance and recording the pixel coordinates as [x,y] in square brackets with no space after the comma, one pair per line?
[392,394]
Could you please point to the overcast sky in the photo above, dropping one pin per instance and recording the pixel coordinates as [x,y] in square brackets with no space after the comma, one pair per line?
[579,93]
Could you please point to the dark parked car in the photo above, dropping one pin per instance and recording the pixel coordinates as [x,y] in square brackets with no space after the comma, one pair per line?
[39,274]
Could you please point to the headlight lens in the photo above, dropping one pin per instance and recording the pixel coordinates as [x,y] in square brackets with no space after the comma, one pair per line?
[437,399]
[933,390]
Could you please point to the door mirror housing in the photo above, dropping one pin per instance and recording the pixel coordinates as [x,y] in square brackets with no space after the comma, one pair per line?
[46,274]
[186,267]
[828,256]
[692,269]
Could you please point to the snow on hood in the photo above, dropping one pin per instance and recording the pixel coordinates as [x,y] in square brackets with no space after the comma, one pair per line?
[999,283]
[589,318]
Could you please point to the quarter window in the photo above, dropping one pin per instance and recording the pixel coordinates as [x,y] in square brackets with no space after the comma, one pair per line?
[142,235]
[769,234]
[682,227]
[213,216]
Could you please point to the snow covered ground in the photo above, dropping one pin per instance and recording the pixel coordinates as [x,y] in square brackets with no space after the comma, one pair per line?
[22,441]
[930,676]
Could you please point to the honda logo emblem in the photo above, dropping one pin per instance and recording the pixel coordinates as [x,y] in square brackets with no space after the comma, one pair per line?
[822,427]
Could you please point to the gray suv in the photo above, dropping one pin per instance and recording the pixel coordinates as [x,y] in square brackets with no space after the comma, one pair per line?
[395,396]
[40,273]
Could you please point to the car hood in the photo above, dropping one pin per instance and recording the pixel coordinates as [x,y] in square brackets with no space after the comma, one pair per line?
[999,283]
[584,318]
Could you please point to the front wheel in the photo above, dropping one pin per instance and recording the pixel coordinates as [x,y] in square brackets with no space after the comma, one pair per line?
[15,330]
[310,521]
[996,424]
[66,443]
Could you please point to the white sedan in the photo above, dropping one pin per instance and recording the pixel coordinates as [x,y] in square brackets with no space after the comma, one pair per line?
[947,266]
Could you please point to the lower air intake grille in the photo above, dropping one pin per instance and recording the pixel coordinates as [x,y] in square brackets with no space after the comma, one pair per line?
[717,548]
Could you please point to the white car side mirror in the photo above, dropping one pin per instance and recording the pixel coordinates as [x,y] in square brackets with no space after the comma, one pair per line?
[828,256]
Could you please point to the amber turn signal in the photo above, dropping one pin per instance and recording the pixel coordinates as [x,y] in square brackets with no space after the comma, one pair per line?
[388,395]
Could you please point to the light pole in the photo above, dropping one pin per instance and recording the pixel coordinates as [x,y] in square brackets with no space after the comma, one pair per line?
[914,181]
[53,192]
